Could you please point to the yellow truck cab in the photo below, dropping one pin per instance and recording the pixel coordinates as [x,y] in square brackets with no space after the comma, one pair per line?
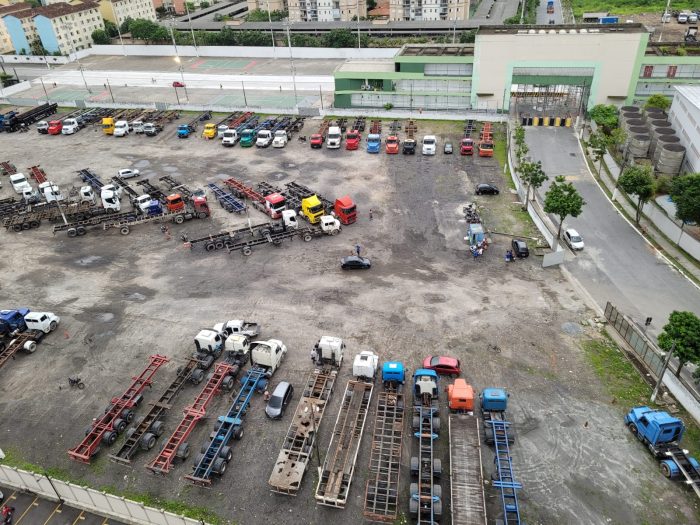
[108,125]
[209,131]
[312,209]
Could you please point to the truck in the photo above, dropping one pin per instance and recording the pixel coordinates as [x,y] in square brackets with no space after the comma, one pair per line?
[230,138]
[392,144]
[425,503]
[19,183]
[226,200]
[345,209]
[334,138]
[42,127]
[485,144]
[353,139]
[55,127]
[108,125]
[13,321]
[151,129]
[24,329]
[248,138]
[661,434]
[121,128]
[71,126]
[312,209]
[264,139]
[209,131]
[281,138]
[176,211]
[300,440]
[18,120]
[374,143]
[51,192]
[237,326]
[272,204]
[185,130]
[550,7]
[382,489]
[336,475]
[317,139]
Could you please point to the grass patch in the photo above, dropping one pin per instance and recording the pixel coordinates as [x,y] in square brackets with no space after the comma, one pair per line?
[622,7]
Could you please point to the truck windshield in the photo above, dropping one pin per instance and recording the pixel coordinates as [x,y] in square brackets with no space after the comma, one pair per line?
[486,146]
[391,141]
[352,136]
[428,142]
[349,210]
[316,209]
[334,136]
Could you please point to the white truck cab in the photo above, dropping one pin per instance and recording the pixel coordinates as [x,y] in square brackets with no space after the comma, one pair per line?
[237,326]
[137,126]
[42,126]
[209,341]
[230,138]
[264,138]
[42,321]
[289,219]
[330,350]
[334,137]
[121,128]
[429,145]
[220,130]
[267,354]
[31,195]
[365,365]
[237,345]
[87,194]
[19,183]
[142,202]
[115,188]
[329,224]
[281,139]
[110,200]
[50,191]
[70,126]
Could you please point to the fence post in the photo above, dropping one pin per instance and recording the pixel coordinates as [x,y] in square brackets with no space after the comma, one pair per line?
[54,488]
[663,371]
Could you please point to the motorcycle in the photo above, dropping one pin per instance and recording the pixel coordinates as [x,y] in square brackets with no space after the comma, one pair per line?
[76,382]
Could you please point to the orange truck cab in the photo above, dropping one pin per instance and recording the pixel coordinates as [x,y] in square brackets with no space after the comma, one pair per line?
[486,147]
[392,144]
[352,139]
[345,210]
[55,127]
[466,146]
[460,396]
[174,202]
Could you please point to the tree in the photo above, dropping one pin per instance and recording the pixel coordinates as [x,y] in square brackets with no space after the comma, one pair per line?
[6,79]
[100,36]
[639,181]
[124,28]
[467,37]
[683,329]
[563,200]
[37,48]
[340,38]
[658,101]
[147,30]
[605,116]
[685,192]
[371,4]
[190,6]
[598,143]
[111,28]
[533,175]
[203,5]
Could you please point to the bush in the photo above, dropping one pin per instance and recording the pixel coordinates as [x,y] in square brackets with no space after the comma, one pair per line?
[388,106]
[605,116]
[663,186]
[467,37]
[100,37]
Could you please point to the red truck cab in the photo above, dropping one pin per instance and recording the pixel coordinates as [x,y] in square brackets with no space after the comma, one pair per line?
[345,210]
[392,144]
[466,146]
[55,127]
[316,140]
[201,206]
[174,202]
[352,139]
[275,204]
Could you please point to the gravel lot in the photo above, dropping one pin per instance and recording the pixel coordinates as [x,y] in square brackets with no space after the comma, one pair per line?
[123,298]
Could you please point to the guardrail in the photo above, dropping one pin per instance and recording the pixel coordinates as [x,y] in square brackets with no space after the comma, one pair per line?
[88,499]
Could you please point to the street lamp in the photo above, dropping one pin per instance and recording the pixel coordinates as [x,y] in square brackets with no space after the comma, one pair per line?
[291,61]
[358,24]
[189,18]
[172,35]
[272,33]
[119,31]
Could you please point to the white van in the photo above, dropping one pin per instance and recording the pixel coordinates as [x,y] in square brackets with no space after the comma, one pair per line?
[230,138]
[121,128]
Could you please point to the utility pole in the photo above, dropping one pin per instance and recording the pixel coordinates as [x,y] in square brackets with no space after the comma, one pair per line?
[189,18]
[110,90]
[45,92]
[119,31]
[272,33]
[663,371]
[245,101]
[359,42]
[291,62]
[522,11]
[663,20]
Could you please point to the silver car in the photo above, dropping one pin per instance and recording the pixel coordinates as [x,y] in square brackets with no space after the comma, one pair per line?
[279,400]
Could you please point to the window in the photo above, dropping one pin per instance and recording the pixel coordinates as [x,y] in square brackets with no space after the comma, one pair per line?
[671,71]
[647,71]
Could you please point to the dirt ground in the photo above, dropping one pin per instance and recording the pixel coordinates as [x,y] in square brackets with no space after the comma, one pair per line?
[670,32]
[122,299]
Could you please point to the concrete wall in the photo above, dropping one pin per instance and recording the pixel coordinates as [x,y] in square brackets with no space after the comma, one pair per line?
[9,60]
[44,28]
[247,52]
[685,116]
[611,54]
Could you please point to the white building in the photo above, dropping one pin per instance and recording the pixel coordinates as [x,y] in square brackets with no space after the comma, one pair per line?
[685,117]
[326,10]
[409,10]
[119,10]
[67,27]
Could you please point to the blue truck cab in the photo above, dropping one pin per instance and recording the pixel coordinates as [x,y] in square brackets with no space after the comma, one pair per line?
[494,399]
[11,320]
[184,130]
[374,143]
[154,208]
[393,373]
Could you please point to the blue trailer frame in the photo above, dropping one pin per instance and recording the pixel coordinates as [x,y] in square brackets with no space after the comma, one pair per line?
[226,199]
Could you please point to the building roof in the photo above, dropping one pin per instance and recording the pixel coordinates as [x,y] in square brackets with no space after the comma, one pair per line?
[62,9]
[691,93]
[566,28]
[437,50]
[369,66]
[379,11]
[8,9]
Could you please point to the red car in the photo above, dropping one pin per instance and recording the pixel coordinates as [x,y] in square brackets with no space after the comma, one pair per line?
[178,84]
[317,140]
[443,365]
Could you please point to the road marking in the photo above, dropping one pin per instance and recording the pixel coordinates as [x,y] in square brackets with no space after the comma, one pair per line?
[654,248]
[32,504]
[80,517]
[57,509]
[105,522]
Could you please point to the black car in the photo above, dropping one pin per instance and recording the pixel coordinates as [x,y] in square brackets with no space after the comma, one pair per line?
[279,400]
[520,248]
[353,262]
[486,189]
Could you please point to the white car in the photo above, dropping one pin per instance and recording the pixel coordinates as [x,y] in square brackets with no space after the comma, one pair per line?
[19,183]
[429,145]
[573,239]
[128,173]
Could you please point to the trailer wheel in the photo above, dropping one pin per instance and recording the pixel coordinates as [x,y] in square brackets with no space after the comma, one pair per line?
[119,425]
[413,507]
[148,441]
[34,224]
[437,491]
[666,470]
[335,232]
[138,400]
[247,251]
[307,237]
[157,428]
[238,434]
[81,230]
[277,242]
[124,230]
[202,215]
[228,383]
[30,346]
[219,466]
[415,424]
[72,232]
[413,490]
[179,219]
[437,468]
[128,415]
[130,432]
[183,451]
[415,466]
[197,460]
[52,326]
[437,509]
[633,429]
[109,438]
[436,424]
[197,376]
[25,226]
[210,247]
[226,453]
[219,245]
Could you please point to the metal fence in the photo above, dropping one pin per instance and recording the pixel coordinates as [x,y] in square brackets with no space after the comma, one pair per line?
[89,499]
[645,350]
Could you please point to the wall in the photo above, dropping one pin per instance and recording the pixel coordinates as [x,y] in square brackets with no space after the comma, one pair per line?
[16,32]
[685,115]
[611,54]
[247,52]
[44,29]
[26,59]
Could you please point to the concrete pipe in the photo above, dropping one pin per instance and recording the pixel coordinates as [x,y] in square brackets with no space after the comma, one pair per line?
[664,140]
[639,146]
[657,133]
[634,123]
[631,109]
[654,113]
[670,159]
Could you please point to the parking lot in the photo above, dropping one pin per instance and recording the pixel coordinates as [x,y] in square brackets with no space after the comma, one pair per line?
[123,298]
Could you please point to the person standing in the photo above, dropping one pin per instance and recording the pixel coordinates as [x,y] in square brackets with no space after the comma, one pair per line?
[357,249]
[370,214]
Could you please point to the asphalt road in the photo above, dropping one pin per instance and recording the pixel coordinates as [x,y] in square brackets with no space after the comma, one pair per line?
[617,264]
[544,18]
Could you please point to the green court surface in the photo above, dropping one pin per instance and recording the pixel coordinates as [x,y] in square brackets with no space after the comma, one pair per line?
[255,99]
[217,63]
[64,94]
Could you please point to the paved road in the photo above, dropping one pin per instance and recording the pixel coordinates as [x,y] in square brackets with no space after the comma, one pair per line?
[544,18]
[496,10]
[617,264]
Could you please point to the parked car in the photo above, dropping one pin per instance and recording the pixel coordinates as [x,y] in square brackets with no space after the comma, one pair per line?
[520,249]
[486,189]
[573,239]
[448,148]
[279,400]
[128,173]
[443,365]
[429,145]
[178,84]
[353,262]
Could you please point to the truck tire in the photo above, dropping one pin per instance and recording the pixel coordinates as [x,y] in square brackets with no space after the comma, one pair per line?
[307,237]
[666,470]
[238,434]
[634,430]
[203,449]
[335,232]
[488,435]
[436,425]
[30,346]
[219,245]
[202,215]
[210,247]
[25,226]
[207,361]
[246,251]
[226,453]
[109,438]
[197,376]
[157,428]
[265,232]
[34,224]
[413,507]
[16,227]
[71,232]
[124,230]
[413,490]
[179,219]
[437,491]
[437,468]
[437,509]
[219,466]
[197,460]
[130,432]
[81,230]
[228,383]
[128,415]
[183,451]
[148,441]
[119,425]
[138,400]
[415,466]
[52,326]
[415,424]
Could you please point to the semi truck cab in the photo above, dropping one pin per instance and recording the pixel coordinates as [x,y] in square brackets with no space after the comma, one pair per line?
[55,127]
[264,138]
[267,354]
[335,137]
[230,138]
[345,210]
[70,126]
[329,350]
[121,128]
[352,140]
[247,138]
[209,131]
[374,142]
[312,209]
[108,126]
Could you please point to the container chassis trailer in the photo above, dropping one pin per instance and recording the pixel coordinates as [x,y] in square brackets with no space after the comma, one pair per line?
[468,503]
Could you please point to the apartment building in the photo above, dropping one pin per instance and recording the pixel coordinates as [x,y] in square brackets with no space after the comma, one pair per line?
[267,5]
[66,28]
[119,10]
[6,45]
[326,10]
[20,29]
[409,10]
